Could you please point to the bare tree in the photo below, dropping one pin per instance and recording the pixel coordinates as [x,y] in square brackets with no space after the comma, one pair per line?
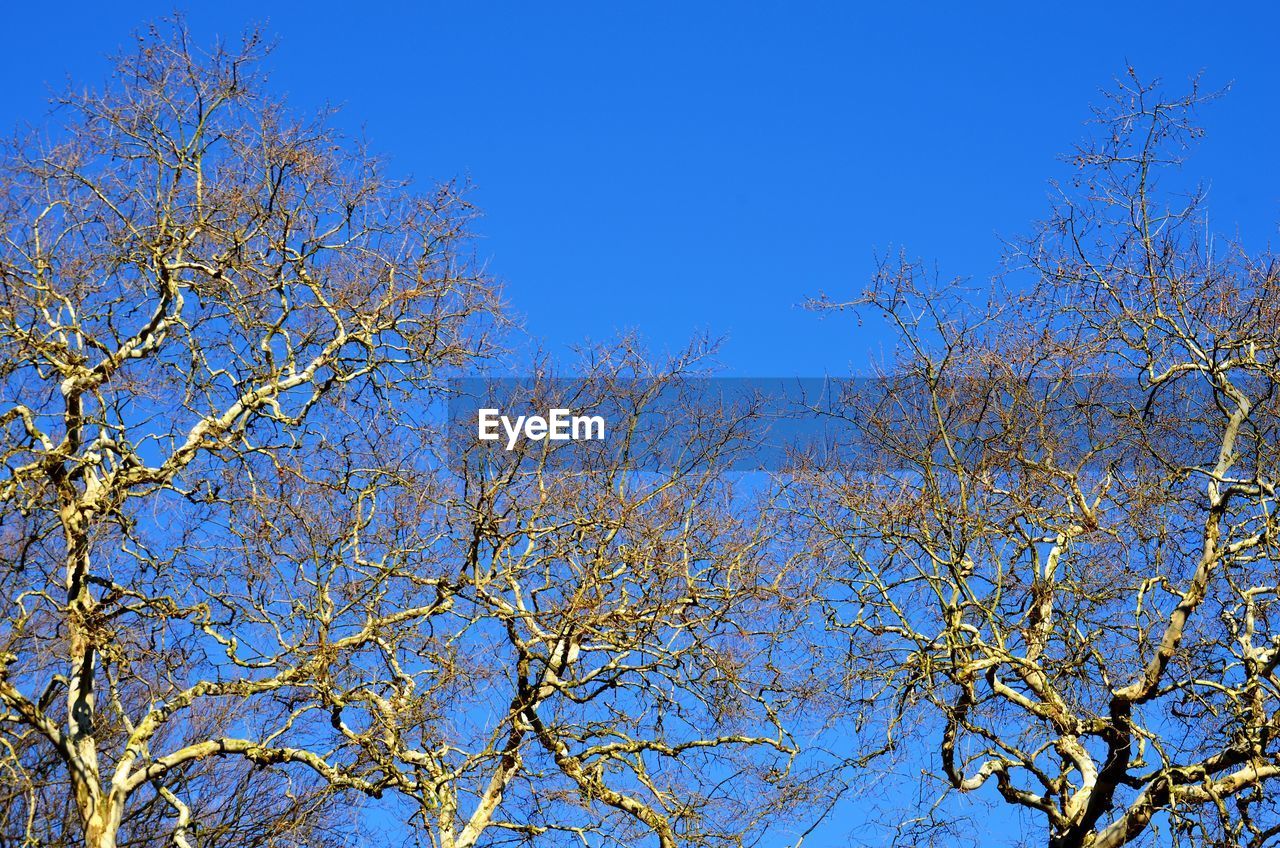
[232,803]
[1057,535]
[246,578]
[198,290]
[623,655]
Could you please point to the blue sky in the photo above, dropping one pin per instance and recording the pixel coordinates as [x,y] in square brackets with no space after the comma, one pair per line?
[675,167]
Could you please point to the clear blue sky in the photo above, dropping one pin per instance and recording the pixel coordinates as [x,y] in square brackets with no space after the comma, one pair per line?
[677,166]
[672,167]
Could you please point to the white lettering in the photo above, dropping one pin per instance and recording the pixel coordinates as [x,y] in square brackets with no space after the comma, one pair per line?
[488,424]
[513,432]
[558,425]
[535,428]
[588,422]
[560,422]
